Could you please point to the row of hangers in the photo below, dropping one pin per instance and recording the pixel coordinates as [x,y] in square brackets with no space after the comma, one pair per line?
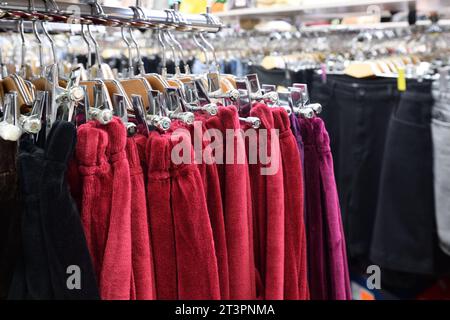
[379,50]
[407,51]
[33,102]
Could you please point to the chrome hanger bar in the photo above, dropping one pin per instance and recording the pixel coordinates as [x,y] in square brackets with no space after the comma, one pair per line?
[70,12]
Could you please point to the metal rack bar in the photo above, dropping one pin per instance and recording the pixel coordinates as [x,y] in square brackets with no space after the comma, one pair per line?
[158,18]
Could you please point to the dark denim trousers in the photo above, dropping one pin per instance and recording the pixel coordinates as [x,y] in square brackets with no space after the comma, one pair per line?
[405,237]
[356,113]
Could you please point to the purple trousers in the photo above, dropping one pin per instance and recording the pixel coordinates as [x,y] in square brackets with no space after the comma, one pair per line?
[327,256]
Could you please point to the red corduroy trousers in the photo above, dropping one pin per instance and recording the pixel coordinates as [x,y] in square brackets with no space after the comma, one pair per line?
[236,197]
[143,274]
[295,267]
[181,234]
[105,205]
[211,185]
[268,209]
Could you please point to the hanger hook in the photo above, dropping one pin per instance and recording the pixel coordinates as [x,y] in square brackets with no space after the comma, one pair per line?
[23,52]
[176,60]
[39,41]
[211,47]
[86,40]
[203,49]
[130,53]
[164,57]
[52,43]
[96,47]
[176,43]
[181,51]
[138,52]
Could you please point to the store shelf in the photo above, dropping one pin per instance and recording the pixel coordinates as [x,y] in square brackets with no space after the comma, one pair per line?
[341,6]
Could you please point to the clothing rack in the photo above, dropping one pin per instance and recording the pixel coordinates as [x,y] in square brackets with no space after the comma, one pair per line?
[422,25]
[445,24]
[95,14]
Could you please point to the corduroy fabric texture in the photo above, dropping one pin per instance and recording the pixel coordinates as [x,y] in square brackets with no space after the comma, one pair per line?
[268,208]
[143,274]
[317,269]
[337,252]
[52,234]
[329,278]
[10,214]
[296,131]
[211,185]
[237,202]
[181,234]
[295,267]
[106,205]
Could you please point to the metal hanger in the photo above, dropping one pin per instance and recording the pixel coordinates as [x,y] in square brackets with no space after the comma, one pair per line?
[245,101]
[154,116]
[40,47]
[88,44]
[213,51]
[316,107]
[187,70]
[139,114]
[170,43]
[121,110]
[171,101]
[130,54]
[176,59]
[214,85]
[140,63]
[203,49]
[23,68]
[164,56]
[103,109]
[151,118]
[50,39]
[174,42]
[32,123]
[98,58]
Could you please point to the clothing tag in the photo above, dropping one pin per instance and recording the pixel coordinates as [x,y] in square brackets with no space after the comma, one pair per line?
[253,82]
[401,80]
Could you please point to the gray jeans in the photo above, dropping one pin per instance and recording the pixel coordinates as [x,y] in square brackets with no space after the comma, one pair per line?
[441,148]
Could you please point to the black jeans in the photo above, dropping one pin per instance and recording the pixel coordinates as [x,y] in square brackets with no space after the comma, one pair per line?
[356,113]
[405,236]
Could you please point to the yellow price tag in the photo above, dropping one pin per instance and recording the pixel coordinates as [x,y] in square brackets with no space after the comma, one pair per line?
[193,6]
[401,80]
